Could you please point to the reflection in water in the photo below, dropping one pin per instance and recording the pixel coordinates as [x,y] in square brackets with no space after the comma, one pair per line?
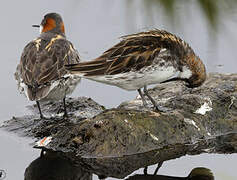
[156,170]
[51,166]
[199,173]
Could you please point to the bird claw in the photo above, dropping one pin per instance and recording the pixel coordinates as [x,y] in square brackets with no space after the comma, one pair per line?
[65,115]
[162,109]
[43,117]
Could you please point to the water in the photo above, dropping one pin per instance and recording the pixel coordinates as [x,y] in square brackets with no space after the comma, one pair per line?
[93,26]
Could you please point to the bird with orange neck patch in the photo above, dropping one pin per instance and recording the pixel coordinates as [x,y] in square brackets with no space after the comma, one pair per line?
[41,74]
[142,59]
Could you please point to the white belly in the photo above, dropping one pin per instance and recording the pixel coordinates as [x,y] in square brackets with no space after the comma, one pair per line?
[57,89]
[136,80]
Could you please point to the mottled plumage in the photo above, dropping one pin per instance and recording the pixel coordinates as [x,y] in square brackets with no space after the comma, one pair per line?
[41,74]
[142,59]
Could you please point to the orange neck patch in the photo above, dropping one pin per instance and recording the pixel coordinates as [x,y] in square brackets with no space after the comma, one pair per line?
[49,25]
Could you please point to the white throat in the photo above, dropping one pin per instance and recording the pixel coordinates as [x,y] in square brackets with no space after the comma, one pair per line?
[186,74]
[41,29]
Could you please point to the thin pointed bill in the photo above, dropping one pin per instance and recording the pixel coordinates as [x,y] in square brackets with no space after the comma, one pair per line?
[38,26]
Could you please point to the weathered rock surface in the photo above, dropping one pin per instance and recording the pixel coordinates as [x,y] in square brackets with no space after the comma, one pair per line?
[32,126]
[115,142]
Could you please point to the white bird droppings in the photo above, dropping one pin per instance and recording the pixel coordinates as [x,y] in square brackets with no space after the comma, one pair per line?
[154,137]
[192,122]
[205,107]
[99,122]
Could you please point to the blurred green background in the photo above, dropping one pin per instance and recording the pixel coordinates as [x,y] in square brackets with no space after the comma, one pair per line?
[213,10]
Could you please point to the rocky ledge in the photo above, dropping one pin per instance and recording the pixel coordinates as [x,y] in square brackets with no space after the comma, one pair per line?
[115,142]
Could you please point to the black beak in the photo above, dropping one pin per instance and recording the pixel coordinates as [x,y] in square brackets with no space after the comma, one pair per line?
[35,25]
[187,83]
[172,79]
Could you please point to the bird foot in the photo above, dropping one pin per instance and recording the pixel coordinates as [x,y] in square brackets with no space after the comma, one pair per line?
[162,109]
[59,110]
[65,115]
[43,117]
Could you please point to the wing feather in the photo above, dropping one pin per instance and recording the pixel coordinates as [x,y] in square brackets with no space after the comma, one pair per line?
[133,52]
[40,66]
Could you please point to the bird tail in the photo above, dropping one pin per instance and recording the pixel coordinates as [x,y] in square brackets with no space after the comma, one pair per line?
[91,68]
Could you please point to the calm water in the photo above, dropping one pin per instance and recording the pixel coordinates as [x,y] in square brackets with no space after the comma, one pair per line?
[93,26]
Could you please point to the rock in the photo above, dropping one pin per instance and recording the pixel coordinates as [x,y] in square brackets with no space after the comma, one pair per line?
[115,142]
[32,126]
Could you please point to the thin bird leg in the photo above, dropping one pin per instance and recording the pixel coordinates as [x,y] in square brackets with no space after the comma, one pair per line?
[65,109]
[158,167]
[151,99]
[41,115]
[145,170]
[42,152]
[142,97]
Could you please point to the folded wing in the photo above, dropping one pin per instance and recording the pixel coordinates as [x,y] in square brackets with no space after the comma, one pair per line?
[42,63]
[133,52]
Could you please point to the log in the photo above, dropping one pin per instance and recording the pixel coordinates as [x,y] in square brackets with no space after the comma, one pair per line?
[115,142]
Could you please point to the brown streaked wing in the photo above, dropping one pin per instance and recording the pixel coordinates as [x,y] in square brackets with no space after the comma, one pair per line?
[61,53]
[133,52]
[123,57]
[43,66]
[27,62]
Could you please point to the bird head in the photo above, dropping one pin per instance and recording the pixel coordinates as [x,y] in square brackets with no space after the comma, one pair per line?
[52,22]
[198,72]
[193,72]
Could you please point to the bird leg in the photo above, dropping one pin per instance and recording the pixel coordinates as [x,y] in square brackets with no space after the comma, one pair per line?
[156,170]
[145,170]
[150,98]
[142,97]
[38,105]
[158,108]
[158,167]
[65,109]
